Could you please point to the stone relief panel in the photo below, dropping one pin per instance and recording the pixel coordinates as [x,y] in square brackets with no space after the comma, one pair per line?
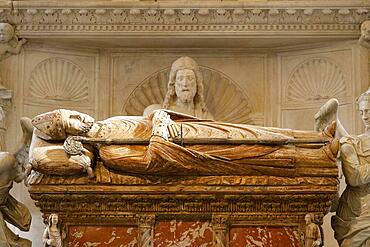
[53,79]
[60,80]
[316,79]
[309,79]
[234,83]
[218,89]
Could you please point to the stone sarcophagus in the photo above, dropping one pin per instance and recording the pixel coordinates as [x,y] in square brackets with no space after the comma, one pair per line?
[170,179]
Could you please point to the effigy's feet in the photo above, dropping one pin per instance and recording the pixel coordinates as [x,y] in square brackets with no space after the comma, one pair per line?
[330,130]
[332,149]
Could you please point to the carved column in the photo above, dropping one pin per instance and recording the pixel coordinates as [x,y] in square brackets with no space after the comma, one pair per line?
[220,225]
[5,98]
[146,228]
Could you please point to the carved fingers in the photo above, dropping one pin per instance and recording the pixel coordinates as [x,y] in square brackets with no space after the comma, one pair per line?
[161,120]
[174,129]
[85,162]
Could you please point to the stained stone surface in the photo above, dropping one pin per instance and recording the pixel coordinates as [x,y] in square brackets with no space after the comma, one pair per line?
[102,236]
[264,236]
[183,233]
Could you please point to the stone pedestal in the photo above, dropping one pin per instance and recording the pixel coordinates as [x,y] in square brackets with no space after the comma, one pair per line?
[116,210]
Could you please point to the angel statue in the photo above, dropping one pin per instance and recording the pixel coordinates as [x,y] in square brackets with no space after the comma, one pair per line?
[9,43]
[352,220]
[12,211]
[364,39]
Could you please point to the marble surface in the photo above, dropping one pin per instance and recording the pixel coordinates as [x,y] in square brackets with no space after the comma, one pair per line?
[264,236]
[91,236]
[183,233]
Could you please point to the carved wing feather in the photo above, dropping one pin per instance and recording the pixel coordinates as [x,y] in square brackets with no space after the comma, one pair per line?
[327,114]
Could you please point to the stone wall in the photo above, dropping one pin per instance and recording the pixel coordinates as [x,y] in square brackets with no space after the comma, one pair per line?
[283,88]
[282,60]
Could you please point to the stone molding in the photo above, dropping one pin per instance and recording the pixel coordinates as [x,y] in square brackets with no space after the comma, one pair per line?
[142,17]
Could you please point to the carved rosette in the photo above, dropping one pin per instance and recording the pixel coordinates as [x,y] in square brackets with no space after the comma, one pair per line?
[146,228]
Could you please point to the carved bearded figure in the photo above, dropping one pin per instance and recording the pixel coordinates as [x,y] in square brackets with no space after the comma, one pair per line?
[184,90]
[175,144]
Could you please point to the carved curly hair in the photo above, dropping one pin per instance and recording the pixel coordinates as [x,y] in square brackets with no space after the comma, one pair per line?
[364,96]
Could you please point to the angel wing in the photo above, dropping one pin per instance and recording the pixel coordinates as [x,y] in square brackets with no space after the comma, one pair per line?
[326,115]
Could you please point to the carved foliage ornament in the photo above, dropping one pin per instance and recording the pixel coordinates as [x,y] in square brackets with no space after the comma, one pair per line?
[59,79]
[158,19]
[223,97]
[316,79]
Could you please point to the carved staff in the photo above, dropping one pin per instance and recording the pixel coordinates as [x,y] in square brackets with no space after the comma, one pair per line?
[73,144]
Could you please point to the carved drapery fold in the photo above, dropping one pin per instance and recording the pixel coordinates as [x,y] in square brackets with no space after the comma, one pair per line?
[5,100]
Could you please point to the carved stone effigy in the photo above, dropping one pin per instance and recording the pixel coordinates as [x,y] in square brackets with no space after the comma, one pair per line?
[173,178]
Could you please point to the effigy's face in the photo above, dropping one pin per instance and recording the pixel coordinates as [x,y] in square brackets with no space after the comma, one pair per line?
[364,108]
[6,33]
[79,123]
[186,85]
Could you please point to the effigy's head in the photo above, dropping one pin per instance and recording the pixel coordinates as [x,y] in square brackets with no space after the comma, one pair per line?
[58,124]
[6,32]
[185,82]
[363,103]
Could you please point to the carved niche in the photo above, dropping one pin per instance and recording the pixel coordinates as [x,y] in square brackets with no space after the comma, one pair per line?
[310,82]
[316,79]
[224,99]
[59,79]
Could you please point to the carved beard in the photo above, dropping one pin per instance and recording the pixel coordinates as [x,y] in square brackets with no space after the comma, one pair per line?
[186,97]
